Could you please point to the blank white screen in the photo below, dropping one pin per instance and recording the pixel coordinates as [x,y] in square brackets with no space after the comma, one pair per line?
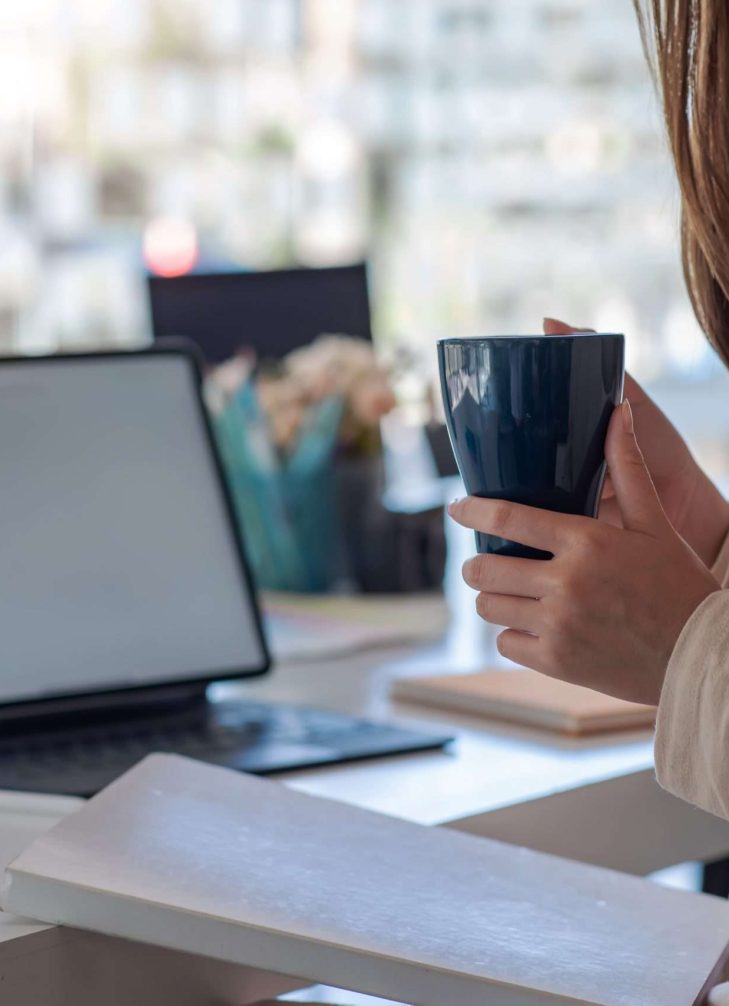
[117,561]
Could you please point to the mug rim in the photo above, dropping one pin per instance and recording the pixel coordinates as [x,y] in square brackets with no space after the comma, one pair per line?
[468,340]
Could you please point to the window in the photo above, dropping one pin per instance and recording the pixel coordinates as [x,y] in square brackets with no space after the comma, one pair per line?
[496,160]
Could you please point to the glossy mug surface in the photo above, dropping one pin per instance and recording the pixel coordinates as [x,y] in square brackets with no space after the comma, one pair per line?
[527,418]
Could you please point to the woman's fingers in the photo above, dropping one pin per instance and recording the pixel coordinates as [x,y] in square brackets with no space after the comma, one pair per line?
[527,525]
[521,613]
[552,326]
[519,647]
[501,574]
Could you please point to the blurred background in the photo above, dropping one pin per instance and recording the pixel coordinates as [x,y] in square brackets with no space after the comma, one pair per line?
[493,161]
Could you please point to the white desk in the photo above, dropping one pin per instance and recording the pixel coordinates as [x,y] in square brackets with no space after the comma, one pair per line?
[594,800]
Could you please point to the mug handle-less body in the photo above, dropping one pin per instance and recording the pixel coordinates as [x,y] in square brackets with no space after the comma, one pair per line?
[527,418]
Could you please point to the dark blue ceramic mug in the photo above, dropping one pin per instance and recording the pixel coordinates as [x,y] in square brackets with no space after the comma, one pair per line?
[527,417]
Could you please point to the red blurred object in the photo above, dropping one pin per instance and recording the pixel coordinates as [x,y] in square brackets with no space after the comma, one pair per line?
[170,246]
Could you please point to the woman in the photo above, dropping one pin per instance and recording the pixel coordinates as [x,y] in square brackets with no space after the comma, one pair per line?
[634,604]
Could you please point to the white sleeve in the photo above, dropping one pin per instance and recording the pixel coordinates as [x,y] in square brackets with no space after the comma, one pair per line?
[692,728]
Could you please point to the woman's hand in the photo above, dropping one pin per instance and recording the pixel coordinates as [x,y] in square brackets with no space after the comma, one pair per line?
[691,501]
[607,610]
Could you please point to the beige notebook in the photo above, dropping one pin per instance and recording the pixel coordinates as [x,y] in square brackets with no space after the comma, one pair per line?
[523,696]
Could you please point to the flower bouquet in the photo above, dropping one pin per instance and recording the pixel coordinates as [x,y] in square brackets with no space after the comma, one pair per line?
[284,429]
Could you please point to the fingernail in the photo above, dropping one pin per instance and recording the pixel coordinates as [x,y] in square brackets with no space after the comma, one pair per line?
[453,504]
[627,417]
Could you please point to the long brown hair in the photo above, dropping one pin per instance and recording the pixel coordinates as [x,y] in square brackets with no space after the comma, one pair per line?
[687,43]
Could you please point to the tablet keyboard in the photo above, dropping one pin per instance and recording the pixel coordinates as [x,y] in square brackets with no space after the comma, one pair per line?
[251,737]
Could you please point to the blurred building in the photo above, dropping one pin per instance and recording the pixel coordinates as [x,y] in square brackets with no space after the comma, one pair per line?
[496,160]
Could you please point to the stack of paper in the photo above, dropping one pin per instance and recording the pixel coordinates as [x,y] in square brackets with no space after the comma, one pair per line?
[197,858]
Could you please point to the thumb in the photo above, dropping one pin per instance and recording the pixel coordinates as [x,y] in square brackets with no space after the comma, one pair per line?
[634,490]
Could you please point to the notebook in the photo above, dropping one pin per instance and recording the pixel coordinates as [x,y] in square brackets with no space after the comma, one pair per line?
[523,696]
[198,858]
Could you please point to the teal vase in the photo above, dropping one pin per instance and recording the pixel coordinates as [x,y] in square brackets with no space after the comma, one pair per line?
[286,506]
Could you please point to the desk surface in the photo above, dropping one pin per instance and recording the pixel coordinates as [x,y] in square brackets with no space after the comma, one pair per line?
[489,765]
[594,799]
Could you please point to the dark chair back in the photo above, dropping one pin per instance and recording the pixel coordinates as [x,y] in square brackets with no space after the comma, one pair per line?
[273,312]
